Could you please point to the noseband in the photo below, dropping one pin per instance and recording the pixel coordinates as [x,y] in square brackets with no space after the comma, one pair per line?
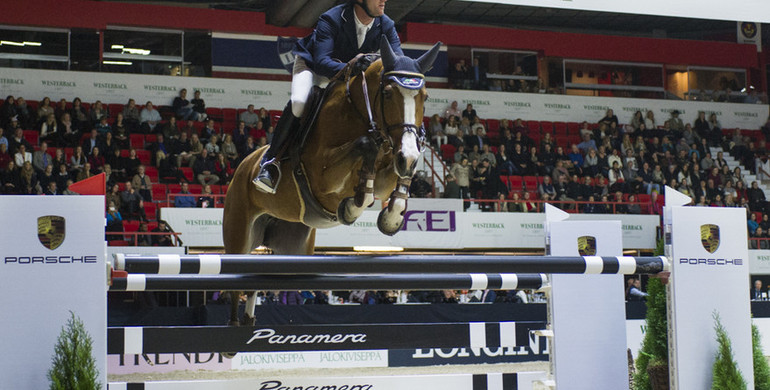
[379,135]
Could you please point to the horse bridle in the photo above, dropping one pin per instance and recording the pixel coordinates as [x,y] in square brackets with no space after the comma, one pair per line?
[377,133]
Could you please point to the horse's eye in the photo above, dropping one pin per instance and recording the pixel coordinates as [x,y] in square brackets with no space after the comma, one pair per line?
[388,91]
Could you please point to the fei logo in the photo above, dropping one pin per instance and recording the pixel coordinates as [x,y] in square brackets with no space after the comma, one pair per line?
[429,221]
[51,231]
[709,237]
[586,245]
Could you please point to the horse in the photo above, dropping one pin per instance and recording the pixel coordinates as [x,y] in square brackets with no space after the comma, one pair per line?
[365,142]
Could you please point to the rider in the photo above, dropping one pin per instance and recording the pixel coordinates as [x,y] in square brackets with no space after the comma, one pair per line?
[341,34]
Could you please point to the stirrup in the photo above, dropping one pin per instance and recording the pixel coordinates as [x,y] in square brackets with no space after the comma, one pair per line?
[264,173]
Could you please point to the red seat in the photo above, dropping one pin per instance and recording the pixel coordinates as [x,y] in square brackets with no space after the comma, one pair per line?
[159,192]
[174,188]
[534,127]
[214,113]
[275,115]
[114,109]
[229,115]
[506,182]
[117,242]
[530,183]
[547,126]
[150,138]
[130,226]
[152,173]
[573,128]
[136,141]
[560,128]
[195,188]
[448,152]
[516,183]
[493,124]
[188,173]
[643,198]
[216,189]
[32,137]
[150,209]
[144,156]
[224,189]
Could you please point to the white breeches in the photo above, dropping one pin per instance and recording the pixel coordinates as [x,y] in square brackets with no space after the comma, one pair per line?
[302,83]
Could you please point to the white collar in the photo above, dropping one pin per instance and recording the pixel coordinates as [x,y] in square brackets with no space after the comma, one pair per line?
[360,24]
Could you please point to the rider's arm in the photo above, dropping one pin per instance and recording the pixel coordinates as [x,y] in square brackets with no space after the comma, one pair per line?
[325,34]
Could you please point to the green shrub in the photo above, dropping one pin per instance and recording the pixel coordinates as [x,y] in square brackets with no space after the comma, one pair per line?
[725,372]
[654,349]
[73,366]
[761,368]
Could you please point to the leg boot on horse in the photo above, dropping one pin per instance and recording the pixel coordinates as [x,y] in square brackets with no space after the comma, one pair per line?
[270,167]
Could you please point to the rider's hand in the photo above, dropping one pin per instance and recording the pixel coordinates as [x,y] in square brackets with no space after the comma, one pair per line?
[362,63]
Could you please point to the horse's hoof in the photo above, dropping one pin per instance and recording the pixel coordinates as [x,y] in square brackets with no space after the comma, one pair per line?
[342,214]
[228,355]
[389,227]
[248,321]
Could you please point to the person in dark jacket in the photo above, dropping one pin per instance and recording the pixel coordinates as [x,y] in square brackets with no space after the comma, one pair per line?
[341,34]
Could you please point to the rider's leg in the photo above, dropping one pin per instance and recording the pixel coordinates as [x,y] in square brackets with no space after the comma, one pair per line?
[301,85]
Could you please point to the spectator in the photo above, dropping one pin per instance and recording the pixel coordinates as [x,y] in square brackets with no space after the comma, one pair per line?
[462,172]
[61,109]
[229,150]
[634,291]
[50,189]
[436,131]
[97,161]
[451,189]
[452,131]
[213,146]
[149,118]
[206,200]
[142,184]
[182,107]
[159,150]
[181,150]
[249,117]
[131,115]
[162,239]
[69,133]
[199,106]
[67,190]
[143,239]
[209,131]
[675,123]
[44,108]
[22,156]
[114,221]
[452,111]
[609,118]
[29,184]
[478,75]
[98,112]
[184,198]
[10,178]
[80,116]
[46,176]
[469,113]
[41,159]
[420,188]
[223,169]
[203,168]
[131,203]
[752,224]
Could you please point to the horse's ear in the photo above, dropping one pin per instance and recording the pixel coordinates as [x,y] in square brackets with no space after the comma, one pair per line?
[425,62]
[388,57]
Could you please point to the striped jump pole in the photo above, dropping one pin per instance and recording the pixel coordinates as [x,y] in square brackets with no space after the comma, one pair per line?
[142,282]
[279,338]
[399,264]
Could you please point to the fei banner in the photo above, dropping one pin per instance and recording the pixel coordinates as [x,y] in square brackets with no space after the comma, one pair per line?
[35,84]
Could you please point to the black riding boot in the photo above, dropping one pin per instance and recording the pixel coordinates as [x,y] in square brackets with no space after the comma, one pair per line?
[270,168]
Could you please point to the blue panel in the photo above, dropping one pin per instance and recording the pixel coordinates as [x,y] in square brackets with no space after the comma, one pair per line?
[440,66]
[245,53]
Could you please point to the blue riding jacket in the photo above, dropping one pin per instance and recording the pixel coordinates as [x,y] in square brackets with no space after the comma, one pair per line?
[333,42]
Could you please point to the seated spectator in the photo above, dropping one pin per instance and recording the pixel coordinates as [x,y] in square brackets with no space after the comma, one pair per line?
[229,150]
[250,117]
[50,189]
[180,150]
[98,112]
[10,178]
[160,150]
[102,127]
[131,115]
[609,118]
[142,184]
[182,107]
[29,183]
[97,161]
[91,142]
[69,133]
[5,157]
[67,190]
[223,169]
[206,200]
[203,168]
[46,176]
[162,239]
[131,203]
[80,115]
[22,156]
[199,106]
[44,108]
[61,109]
[143,239]
[213,145]
[420,188]
[114,221]
[436,131]
[149,118]
[41,159]
[184,198]
[49,130]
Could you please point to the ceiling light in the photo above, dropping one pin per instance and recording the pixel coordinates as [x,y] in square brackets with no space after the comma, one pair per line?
[28,43]
[11,43]
[117,62]
[142,52]
[116,47]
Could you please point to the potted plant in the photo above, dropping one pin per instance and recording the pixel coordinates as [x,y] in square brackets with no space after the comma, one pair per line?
[652,363]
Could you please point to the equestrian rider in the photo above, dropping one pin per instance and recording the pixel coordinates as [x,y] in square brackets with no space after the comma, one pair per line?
[341,34]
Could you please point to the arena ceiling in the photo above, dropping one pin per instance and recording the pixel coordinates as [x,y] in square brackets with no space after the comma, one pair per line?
[304,13]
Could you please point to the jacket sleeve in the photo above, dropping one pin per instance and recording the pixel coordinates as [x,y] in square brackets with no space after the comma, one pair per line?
[325,34]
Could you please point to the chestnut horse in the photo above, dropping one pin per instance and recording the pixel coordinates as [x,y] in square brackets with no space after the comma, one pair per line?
[365,143]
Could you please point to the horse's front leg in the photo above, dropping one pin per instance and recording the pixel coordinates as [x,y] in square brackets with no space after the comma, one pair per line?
[391,218]
[351,208]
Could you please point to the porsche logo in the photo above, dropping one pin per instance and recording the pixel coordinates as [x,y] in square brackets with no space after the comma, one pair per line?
[709,237]
[586,245]
[50,231]
[749,29]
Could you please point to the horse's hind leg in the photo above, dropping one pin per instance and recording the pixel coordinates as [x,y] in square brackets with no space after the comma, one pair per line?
[351,208]
[241,233]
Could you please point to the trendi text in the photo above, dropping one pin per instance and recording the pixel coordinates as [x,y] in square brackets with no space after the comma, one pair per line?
[707,262]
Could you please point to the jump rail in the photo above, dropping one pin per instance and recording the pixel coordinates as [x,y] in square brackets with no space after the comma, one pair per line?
[401,264]
[142,282]
[275,338]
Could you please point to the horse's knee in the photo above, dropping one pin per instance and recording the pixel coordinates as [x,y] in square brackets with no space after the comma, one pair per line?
[366,146]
